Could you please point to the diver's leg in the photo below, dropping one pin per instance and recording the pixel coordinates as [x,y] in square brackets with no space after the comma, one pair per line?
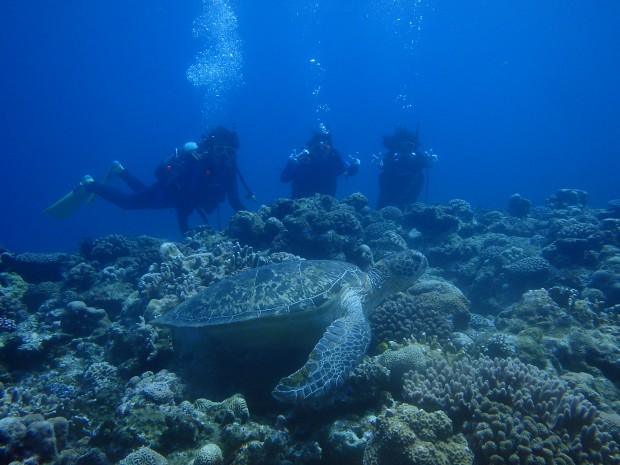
[134,183]
[415,188]
[146,198]
[183,219]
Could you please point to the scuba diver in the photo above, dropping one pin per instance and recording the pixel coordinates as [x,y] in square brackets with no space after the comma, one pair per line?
[197,177]
[315,169]
[403,168]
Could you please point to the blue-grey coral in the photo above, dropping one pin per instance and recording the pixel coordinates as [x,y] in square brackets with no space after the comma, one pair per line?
[509,409]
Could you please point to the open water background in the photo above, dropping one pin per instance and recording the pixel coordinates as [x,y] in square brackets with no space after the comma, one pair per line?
[514,97]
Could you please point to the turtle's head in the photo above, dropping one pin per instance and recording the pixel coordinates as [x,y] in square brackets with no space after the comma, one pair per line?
[398,271]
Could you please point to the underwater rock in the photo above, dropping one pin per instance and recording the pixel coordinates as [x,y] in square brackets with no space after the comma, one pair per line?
[607,279]
[61,431]
[565,198]
[12,434]
[41,439]
[346,439]
[431,220]
[22,438]
[80,320]
[256,444]
[519,206]
[613,207]
[406,435]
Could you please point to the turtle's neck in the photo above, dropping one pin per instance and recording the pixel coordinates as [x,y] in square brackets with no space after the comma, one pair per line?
[377,275]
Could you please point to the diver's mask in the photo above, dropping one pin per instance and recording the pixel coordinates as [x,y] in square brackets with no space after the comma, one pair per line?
[321,149]
[224,152]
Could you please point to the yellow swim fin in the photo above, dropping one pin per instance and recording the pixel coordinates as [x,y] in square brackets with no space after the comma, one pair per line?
[68,204]
[64,207]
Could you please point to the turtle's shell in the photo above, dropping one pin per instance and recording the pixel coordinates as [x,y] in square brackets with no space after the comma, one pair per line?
[301,290]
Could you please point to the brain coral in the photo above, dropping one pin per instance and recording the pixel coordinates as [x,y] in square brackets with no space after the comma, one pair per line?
[144,456]
[209,454]
[409,357]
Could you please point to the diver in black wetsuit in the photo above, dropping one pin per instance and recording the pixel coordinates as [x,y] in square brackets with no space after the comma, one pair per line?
[402,175]
[315,169]
[198,177]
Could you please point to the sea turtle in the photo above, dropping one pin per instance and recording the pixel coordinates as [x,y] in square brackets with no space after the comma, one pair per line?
[291,301]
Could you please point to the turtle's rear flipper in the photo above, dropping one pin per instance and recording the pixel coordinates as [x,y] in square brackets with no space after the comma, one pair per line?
[331,361]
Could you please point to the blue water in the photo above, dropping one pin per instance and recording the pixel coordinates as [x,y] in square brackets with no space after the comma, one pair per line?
[514,97]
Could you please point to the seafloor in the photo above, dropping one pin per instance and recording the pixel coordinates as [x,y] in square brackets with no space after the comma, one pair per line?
[507,351]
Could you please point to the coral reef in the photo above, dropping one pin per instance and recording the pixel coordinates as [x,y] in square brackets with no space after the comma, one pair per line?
[315,227]
[506,352]
[510,410]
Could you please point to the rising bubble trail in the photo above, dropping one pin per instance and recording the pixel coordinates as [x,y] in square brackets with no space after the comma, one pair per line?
[217,67]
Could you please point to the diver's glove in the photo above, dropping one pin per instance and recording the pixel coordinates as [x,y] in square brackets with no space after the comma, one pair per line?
[353,165]
[299,157]
[377,160]
[431,158]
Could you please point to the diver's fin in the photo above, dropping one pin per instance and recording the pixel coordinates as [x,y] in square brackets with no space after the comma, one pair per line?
[107,179]
[70,202]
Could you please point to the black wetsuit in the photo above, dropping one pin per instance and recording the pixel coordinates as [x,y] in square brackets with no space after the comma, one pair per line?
[401,180]
[316,175]
[186,184]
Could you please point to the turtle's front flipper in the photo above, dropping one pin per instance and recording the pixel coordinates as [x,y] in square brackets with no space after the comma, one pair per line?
[339,351]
